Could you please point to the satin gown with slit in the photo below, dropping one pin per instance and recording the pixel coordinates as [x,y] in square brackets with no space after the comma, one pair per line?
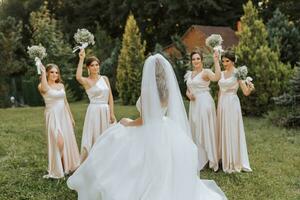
[233,146]
[59,125]
[97,115]
[202,118]
[157,161]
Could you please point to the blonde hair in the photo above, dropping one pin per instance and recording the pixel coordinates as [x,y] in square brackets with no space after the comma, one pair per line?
[161,83]
[49,67]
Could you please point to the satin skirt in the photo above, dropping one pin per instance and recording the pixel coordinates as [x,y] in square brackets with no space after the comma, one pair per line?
[203,123]
[96,121]
[233,146]
[59,124]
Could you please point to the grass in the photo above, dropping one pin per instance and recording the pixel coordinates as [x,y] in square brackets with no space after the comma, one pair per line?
[274,157]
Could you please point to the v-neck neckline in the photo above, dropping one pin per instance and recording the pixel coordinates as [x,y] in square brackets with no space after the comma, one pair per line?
[193,77]
[95,83]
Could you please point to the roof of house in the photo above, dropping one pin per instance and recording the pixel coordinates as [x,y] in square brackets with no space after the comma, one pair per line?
[226,33]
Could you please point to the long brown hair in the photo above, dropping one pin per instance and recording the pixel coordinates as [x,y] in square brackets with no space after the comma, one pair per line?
[91,59]
[196,51]
[49,67]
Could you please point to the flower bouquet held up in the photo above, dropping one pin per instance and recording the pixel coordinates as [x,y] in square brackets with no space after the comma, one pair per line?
[84,38]
[241,74]
[214,41]
[38,53]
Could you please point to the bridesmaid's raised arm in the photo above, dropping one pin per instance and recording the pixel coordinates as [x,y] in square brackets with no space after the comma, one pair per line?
[79,77]
[217,75]
[43,86]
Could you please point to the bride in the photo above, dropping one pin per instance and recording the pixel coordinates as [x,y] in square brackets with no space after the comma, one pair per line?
[150,158]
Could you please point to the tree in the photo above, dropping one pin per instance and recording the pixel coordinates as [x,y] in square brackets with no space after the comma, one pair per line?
[290,8]
[46,31]
[130,63]
[109,67]
[284,37]
[180,63]
[269,74]
[10,55]
[287,110]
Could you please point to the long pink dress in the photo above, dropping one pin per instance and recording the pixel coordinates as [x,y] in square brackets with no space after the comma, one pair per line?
[97,114]
[58,122]
[231,128]
[202,118]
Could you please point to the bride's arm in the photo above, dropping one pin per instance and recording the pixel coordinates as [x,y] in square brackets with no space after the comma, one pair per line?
[128,122]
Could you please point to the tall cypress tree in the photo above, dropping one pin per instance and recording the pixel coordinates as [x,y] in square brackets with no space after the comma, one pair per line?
[130,63]
[269,74]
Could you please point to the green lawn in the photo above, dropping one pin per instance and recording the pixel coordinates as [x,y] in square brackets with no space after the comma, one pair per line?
[274,158]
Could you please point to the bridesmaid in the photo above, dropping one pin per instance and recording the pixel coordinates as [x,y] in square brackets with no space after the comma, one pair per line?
[230,122]
[100,112]
[63,154]
[202,111]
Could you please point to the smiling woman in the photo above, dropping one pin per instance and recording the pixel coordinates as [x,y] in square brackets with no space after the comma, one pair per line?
[63,155]
[100,112]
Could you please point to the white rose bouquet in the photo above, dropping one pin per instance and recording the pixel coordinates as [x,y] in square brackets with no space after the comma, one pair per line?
[214,41]
[241,74]
[84,38]
[38,53]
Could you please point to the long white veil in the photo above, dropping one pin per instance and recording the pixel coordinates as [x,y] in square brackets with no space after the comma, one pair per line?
[160,92]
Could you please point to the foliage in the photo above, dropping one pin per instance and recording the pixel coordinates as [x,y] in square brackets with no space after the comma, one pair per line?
[11,46]
[158,19]
[287,111]
[284,36]
[290,8]
[181,63]
[46,31]
[109,67]
[269,74]
[130,63]
[10,55]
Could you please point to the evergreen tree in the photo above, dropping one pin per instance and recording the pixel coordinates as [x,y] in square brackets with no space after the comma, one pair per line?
[130,63]
[10,55]
[269,74]
[181,63]
[109,67]
[284,37]
[287,111]
[46,31]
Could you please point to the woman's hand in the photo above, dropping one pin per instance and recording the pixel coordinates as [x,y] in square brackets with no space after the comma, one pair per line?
[190,96]
[112,119]
[251,86]
[43,69]
[125,121]
[216,56]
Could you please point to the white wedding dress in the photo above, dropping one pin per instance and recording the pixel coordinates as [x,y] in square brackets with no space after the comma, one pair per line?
[155,161]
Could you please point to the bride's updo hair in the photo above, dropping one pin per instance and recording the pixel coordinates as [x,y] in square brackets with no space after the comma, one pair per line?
[161,83]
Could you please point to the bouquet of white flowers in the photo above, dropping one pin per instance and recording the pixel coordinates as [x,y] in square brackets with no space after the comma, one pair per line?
[37,52]
[241,74]
[214,41]
[84,38]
